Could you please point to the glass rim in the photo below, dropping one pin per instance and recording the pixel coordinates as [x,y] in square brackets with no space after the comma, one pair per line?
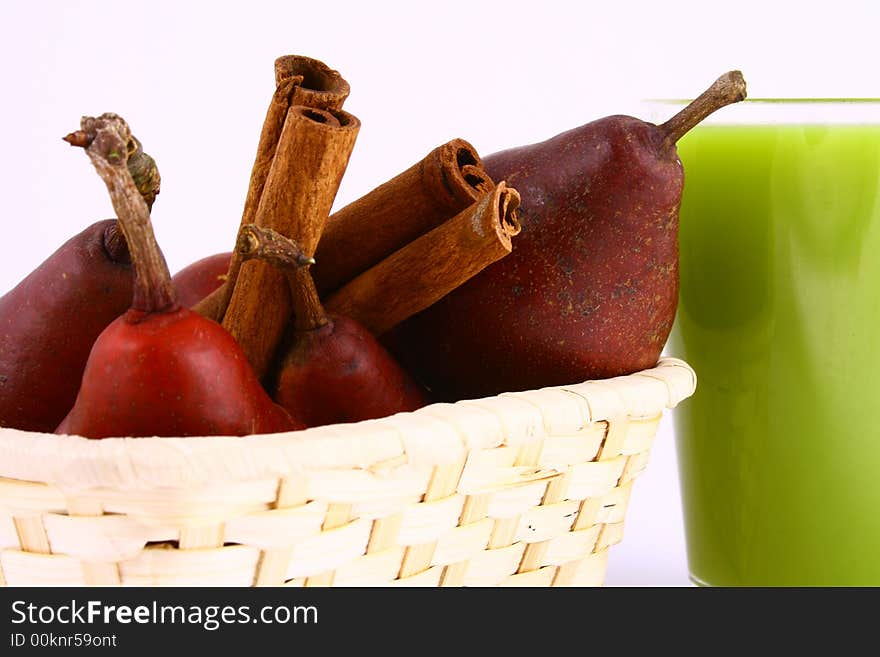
[783,101]
[780,111]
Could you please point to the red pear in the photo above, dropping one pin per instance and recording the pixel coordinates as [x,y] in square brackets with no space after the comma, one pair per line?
[338,372]
[160,369]
[50,320]
[198,279]
[591,288]
[332,369]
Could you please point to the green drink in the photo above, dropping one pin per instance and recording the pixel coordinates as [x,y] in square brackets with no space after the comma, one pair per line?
[779,314]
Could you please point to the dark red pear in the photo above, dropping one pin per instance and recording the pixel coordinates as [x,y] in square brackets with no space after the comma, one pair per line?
[338,372]
[198,279]
[332,369]
[50,320]
[591,288]
[160,369]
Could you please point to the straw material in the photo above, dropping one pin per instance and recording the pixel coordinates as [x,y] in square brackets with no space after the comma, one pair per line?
[521,489]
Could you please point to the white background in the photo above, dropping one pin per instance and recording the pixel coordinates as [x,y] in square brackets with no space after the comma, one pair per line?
[193,80]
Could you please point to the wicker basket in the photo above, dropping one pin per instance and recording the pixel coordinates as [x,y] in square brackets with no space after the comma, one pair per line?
[522,489]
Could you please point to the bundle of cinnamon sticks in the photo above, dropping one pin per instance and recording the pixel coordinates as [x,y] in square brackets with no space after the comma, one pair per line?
[379,260]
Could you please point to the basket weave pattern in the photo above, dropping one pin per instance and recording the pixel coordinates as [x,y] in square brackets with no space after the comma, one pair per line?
[521,489]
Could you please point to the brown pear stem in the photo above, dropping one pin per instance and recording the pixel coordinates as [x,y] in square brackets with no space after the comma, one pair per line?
[145,173]
[146,177]
[309,313]
[258,242]
[141,166]
[107,143]
[729,88]
[253,243]
[261,243]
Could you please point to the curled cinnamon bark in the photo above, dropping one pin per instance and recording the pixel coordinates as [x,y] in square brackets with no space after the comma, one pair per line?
[310,160]
[320,86]
[448,180]
[428,268]
[298,81]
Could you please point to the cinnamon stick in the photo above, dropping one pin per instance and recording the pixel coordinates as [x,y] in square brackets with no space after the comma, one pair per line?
[310,160]
[298,81]
[428,268]
[321,86]
[448,180]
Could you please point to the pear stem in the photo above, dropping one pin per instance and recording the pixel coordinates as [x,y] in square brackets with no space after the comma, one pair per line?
[309,312]
[253,243]
[728,89]
[108,143]
[260,243]
[145,173]
[141,165]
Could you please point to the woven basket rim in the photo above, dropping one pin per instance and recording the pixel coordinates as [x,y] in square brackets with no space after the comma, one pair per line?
[130,463]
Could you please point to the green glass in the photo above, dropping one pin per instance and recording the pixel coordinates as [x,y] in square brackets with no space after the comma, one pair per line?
[779,315]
